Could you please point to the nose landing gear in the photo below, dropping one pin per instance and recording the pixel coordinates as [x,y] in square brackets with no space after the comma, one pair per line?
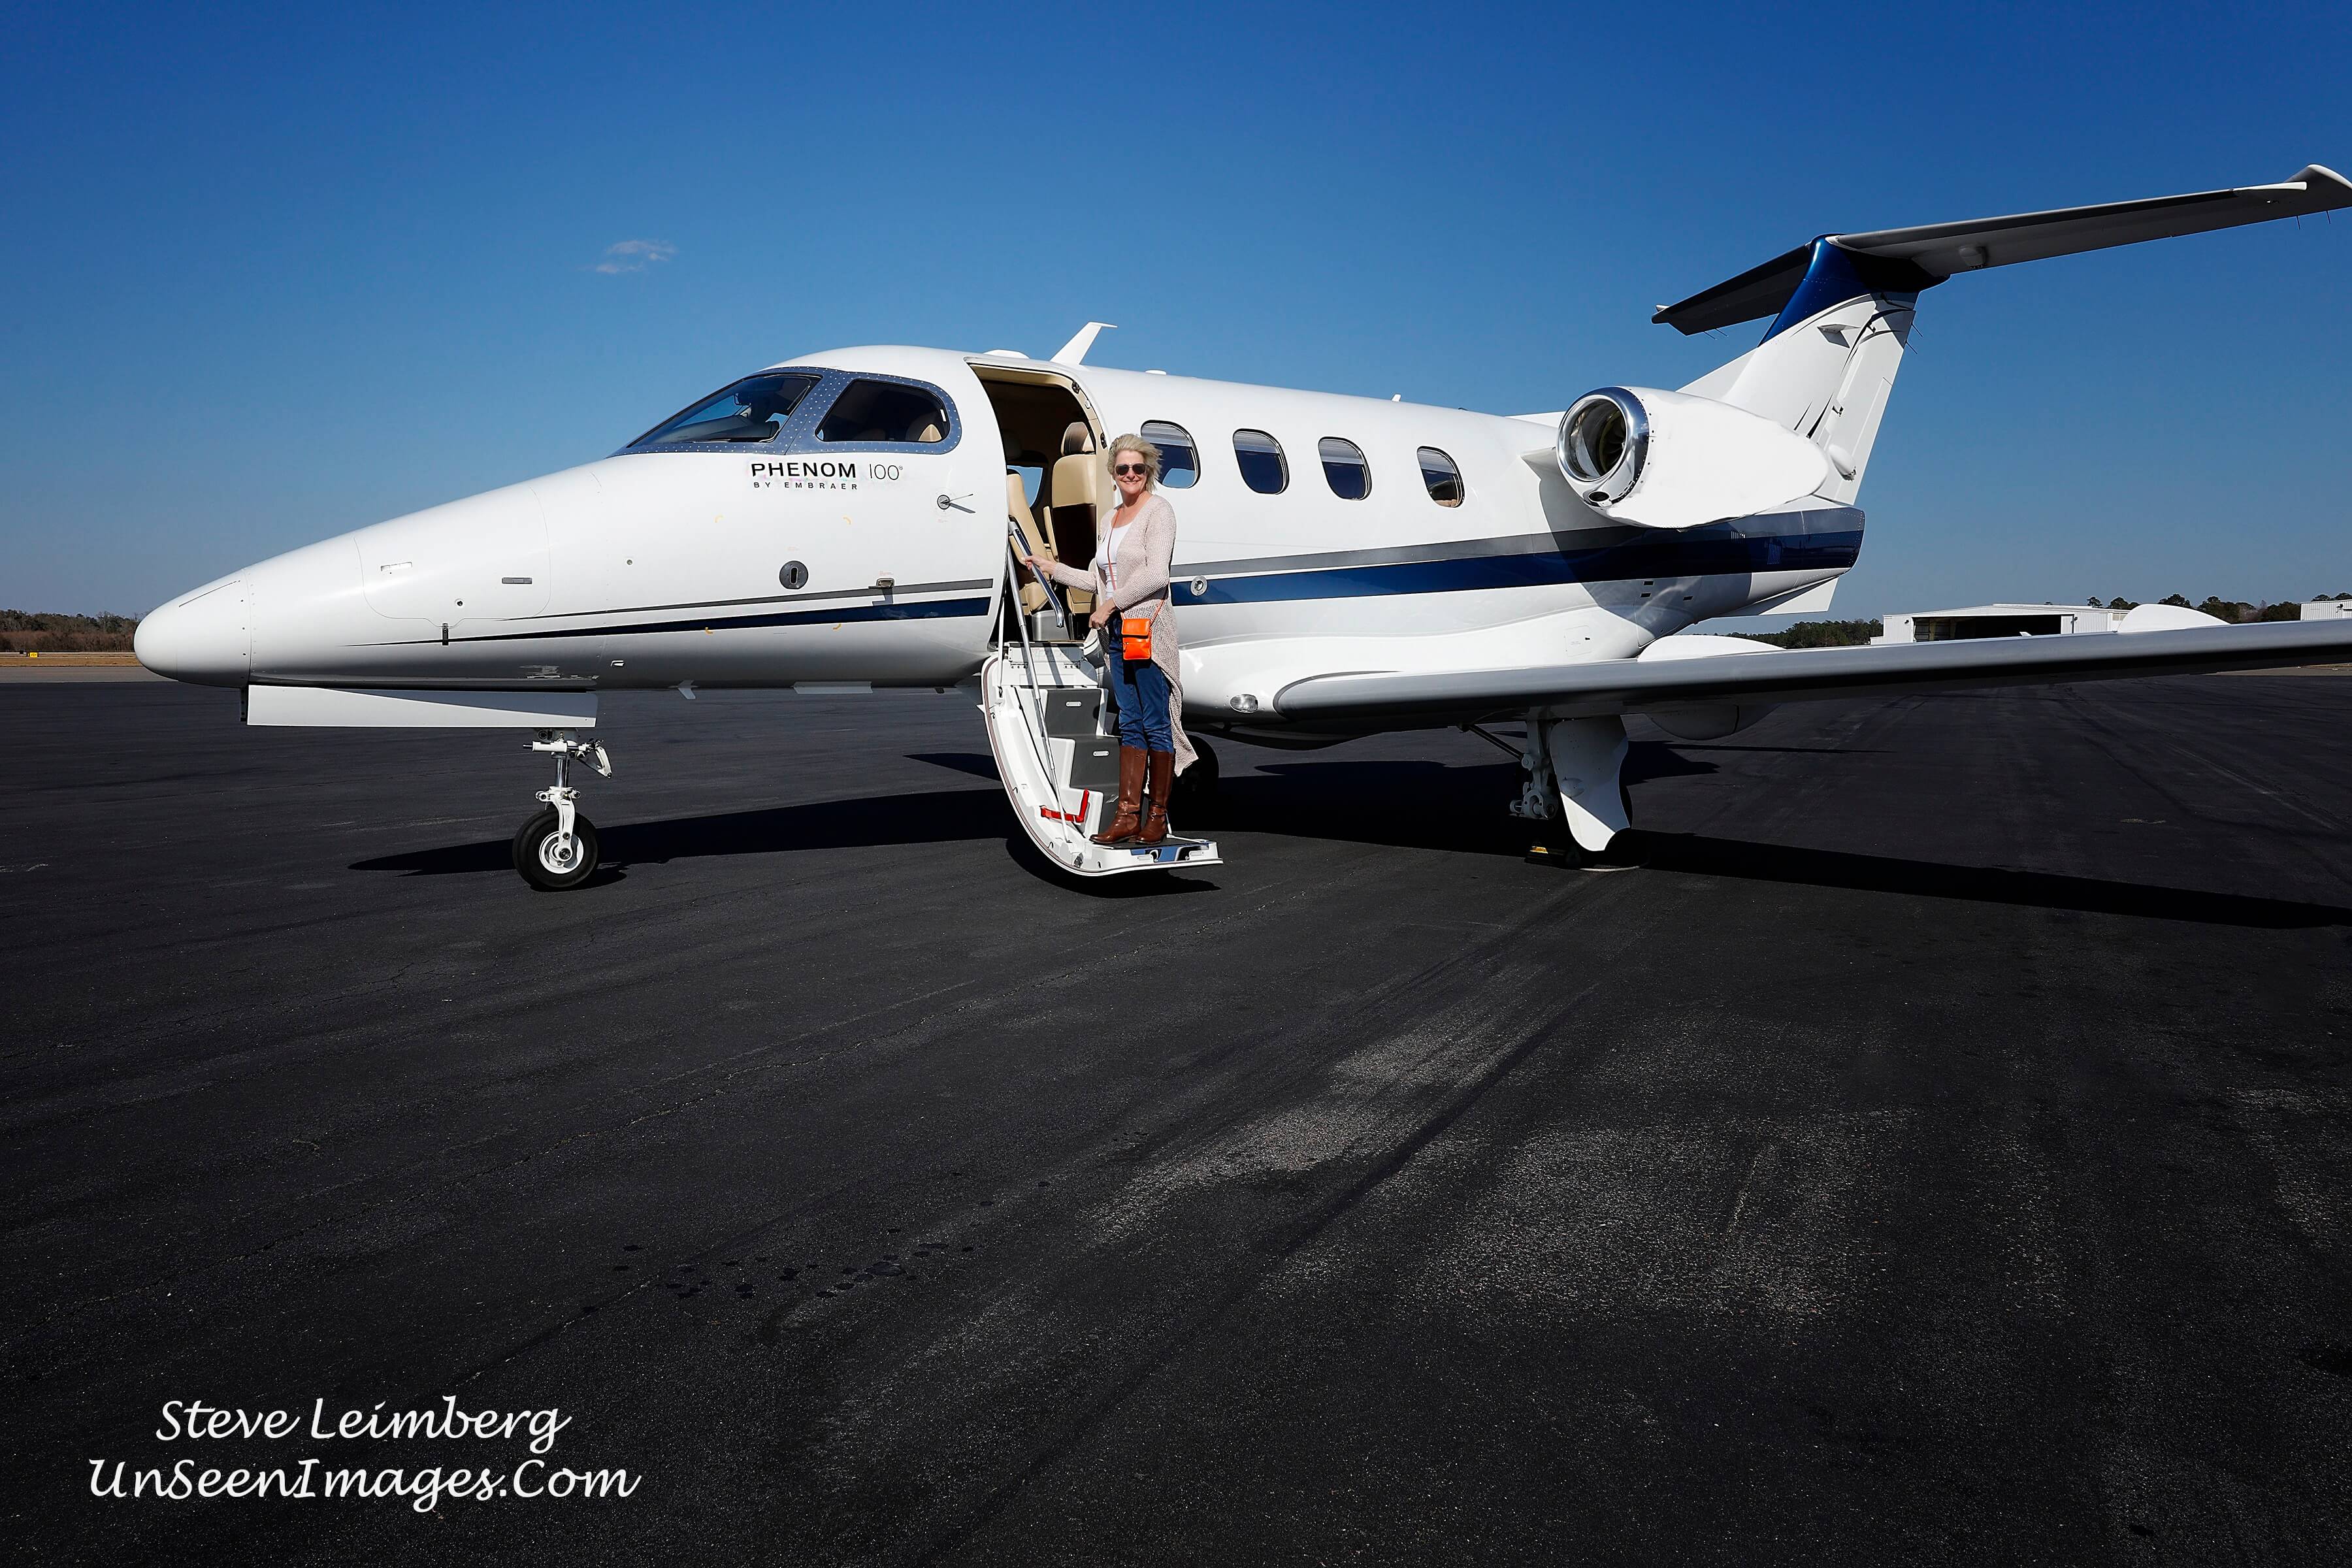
[557,848]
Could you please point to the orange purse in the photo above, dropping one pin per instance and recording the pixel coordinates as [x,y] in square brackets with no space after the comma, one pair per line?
[1135,637]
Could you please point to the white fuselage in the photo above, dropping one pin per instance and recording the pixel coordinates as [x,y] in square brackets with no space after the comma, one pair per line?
[807,561]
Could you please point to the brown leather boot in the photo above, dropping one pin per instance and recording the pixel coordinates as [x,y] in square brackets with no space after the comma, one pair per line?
[1130,798]
[1163,779]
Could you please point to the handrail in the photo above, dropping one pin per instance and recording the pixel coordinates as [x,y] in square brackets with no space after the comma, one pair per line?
[1035,727]
[1012,537]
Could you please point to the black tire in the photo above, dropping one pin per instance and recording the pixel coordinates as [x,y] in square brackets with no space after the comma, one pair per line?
[1194,798]
[533,843]
[1551,844]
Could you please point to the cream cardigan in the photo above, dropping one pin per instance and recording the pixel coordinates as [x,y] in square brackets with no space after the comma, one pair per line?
[1145,556]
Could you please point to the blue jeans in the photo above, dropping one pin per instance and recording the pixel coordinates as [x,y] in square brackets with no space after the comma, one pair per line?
[1139,700]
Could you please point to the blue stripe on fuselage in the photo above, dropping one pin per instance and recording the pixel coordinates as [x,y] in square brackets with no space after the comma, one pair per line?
[1650,557]
[928,609]
[1639,560]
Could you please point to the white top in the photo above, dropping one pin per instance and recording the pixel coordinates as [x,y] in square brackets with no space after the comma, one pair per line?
[1111,555]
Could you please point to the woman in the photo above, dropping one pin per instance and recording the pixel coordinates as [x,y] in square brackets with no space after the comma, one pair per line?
[1129,580]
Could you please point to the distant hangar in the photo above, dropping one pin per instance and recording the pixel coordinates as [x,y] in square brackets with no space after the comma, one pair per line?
[2059,620]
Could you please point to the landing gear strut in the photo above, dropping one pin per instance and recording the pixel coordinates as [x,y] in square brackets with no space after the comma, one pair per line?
[557,848]
[1574,788]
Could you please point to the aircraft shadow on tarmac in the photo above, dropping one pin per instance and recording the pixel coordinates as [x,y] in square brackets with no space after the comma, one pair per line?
[1402,803]
[936,816]
[979,764]
[1696,855]
[1453,808]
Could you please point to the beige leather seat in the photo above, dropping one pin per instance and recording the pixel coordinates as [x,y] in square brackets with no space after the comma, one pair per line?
[1033,542]
[1074,500]
[1016,508]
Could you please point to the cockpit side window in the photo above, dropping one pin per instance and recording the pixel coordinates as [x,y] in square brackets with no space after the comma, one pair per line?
[870,410]
[749,413]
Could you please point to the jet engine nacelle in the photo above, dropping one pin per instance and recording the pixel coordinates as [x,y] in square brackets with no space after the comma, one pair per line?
[1667,459]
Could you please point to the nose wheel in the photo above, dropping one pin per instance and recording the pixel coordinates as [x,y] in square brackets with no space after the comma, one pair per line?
[548,858]
[557,848]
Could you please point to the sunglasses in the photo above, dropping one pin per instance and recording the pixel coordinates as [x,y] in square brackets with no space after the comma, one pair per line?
[1130,469]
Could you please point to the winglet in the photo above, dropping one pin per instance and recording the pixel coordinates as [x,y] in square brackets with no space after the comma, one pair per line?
[1074,351]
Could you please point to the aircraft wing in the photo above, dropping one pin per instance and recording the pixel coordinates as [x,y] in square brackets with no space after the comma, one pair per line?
[1398,699]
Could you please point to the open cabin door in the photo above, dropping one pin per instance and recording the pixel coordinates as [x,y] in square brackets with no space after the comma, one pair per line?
[1058,490]
[1043,699]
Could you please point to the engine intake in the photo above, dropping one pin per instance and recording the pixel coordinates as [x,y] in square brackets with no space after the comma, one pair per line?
[1604,440]
[1667,459]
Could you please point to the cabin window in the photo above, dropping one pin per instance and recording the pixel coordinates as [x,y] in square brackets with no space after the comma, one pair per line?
[1260,456]
[885,411]
[1442,475]
[753,410]
[1180,460]
[1344,469]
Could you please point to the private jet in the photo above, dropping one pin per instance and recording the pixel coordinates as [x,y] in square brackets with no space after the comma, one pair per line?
[858,520]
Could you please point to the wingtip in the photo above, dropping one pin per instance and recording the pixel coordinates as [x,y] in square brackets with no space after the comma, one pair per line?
[2318,175]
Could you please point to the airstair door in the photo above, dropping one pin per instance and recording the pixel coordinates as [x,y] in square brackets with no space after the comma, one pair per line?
[1042,703]
[1043,700]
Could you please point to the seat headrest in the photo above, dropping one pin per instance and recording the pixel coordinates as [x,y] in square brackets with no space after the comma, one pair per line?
[1078,439]
[1012,450]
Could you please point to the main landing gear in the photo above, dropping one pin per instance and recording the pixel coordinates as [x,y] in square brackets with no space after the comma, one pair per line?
[1574,792]
[557,848]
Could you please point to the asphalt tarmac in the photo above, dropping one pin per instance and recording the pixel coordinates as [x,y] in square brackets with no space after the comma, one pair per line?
[1934,1146]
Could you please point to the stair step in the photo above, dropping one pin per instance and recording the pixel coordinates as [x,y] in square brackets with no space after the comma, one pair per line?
[1070,711]
[1094,764]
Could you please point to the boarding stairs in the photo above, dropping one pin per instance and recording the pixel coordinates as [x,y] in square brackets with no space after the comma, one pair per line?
[1041,691]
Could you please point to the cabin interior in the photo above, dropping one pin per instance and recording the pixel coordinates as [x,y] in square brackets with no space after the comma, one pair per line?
[1055,486]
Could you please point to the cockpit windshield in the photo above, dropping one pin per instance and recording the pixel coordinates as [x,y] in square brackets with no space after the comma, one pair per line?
[753,410]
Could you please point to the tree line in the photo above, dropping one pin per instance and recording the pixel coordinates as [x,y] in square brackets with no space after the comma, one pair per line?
[2235,611]
[28,631]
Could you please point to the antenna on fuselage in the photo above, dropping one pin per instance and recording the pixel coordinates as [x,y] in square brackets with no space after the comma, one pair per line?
[1074,351]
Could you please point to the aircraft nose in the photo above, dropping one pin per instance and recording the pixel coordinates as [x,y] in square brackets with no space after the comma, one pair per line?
[205,637]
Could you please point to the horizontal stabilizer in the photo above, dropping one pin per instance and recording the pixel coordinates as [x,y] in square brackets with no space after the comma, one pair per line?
[1401,700]
[1907,259]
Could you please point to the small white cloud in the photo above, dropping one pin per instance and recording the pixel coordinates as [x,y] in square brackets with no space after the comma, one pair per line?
[636,255]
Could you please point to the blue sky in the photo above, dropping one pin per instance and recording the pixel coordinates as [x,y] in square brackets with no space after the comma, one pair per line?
[272,275]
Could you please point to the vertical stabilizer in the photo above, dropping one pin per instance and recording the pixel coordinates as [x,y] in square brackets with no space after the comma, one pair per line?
[1827,379]
[1828,364]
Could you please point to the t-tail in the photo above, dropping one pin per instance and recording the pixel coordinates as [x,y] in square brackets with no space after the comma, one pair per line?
[1841,307]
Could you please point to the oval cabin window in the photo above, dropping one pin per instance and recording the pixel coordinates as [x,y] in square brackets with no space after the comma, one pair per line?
[1344,469]
[1260,456]
[1180,460]
[1442,475]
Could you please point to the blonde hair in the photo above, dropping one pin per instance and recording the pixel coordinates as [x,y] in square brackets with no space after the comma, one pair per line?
[1142,448]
